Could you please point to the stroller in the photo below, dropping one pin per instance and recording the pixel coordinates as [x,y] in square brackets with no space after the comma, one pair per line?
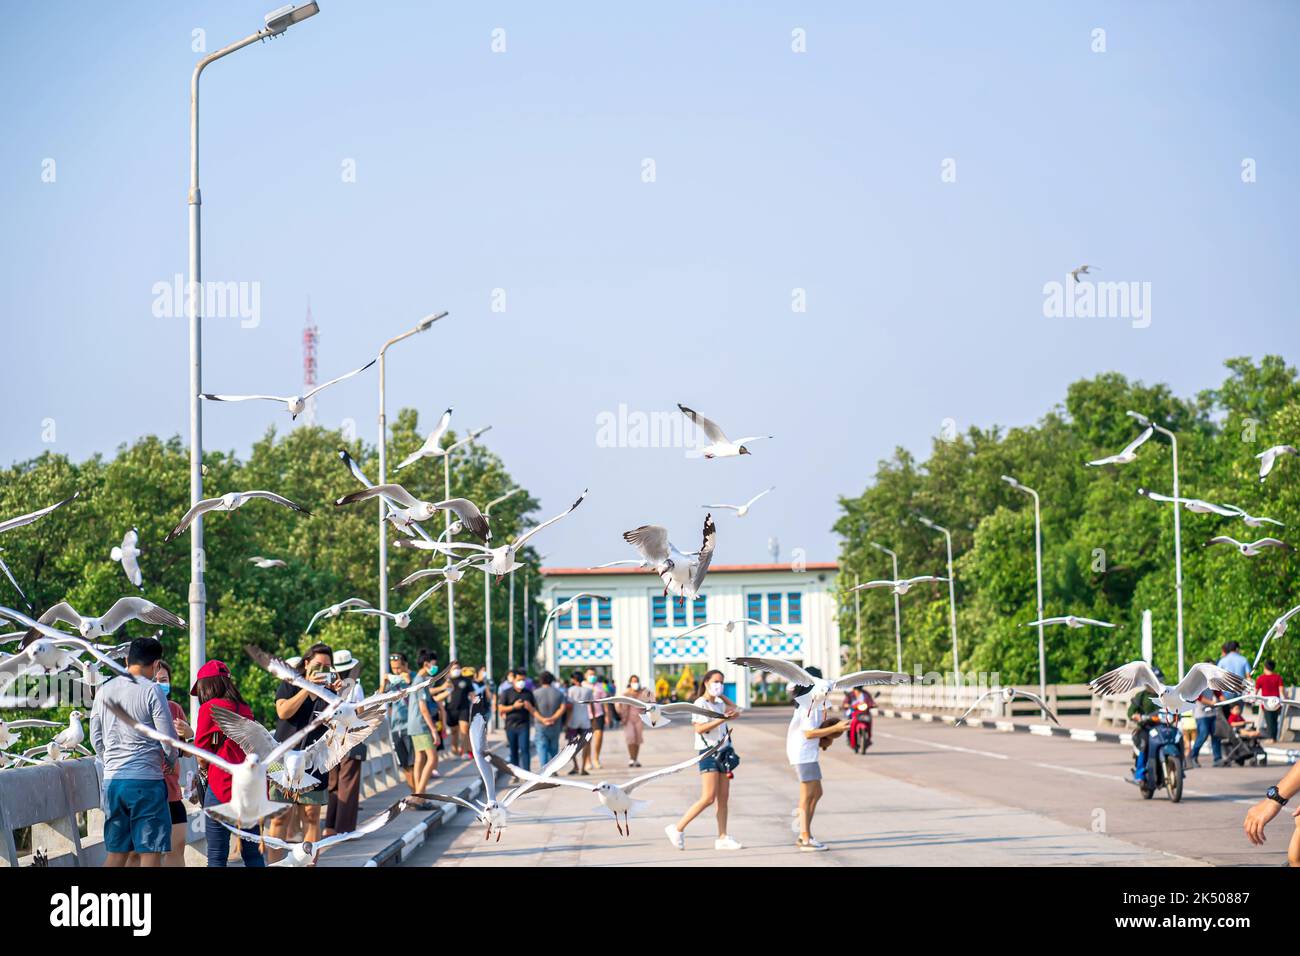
[1236,748]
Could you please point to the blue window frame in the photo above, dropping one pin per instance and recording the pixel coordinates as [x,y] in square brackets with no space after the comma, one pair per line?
[604,614]
[754,606]
[659,611]
[679,613]
[699,610]
[584,613]
[774,609]
[794,607]
[565,619]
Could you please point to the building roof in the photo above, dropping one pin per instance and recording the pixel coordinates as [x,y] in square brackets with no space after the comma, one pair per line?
[713,569]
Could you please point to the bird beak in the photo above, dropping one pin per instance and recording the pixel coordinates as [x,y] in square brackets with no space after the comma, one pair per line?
[744,450]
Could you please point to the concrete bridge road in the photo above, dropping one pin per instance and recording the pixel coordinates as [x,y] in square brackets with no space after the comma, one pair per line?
[925,794]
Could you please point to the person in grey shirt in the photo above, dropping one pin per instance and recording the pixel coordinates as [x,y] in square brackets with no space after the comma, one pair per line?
[549,701]
[137,818]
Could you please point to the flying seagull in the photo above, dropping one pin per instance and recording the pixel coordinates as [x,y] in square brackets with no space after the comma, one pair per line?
[306,852]
[617,798]
[720,446]
[432,447]
[1249,548]
[295,403]
[1008,694]
[400,618]
[11,523]
[334,610]
[1195,505]
[898,587]
[51,652]
[262,562]
[123,610]
[1082,270]
[1171,697]
[1266,459]
[730,626]
[682,576]
[502,560]
[449,572]
[564,608]
[127,554]
[821,687]
[742,510]
[7,728]
[412,509]
[1129,452]
[1275,630]
[654,715]
[230,501]
[1253,521]
[1070,620]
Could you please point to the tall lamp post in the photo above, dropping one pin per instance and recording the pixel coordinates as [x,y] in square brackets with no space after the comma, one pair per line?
[952,597]
[857,615]
[275,24]
[446,484]
[1178,534]
[1038,565]
[487,594]
[423,324]
[898,627]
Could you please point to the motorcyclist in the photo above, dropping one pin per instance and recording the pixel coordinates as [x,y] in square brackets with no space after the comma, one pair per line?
[1144,712]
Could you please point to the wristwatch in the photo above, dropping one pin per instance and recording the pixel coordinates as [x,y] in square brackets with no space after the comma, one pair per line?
[1273,794]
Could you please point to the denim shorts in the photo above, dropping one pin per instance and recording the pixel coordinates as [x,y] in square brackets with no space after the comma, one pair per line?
[136,817]
[808,772]
[710,763]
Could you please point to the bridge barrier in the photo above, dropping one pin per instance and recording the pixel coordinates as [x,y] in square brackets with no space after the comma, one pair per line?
[1062,698]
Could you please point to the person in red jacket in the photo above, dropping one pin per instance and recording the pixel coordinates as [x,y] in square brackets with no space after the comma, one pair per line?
[1269,684]
[214,688]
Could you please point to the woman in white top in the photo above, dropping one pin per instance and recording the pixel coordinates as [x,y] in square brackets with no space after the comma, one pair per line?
[715,782]
[809,731]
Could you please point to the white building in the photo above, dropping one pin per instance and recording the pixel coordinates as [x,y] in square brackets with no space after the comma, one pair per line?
[632,628]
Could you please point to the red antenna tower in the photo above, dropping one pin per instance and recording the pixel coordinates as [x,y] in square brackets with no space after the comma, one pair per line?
[310,336]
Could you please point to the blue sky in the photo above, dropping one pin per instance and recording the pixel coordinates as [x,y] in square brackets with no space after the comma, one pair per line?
[522,171]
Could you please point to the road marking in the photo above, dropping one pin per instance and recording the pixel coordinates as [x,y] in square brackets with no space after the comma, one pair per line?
[931,743]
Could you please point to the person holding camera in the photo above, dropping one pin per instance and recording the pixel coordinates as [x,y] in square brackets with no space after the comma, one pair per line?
[715,771]
[294,710]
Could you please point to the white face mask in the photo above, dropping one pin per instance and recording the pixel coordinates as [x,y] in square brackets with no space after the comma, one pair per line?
[455,672]
[714,689]
[633,685]
[519,685]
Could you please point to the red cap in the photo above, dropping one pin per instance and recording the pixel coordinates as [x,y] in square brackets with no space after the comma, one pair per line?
[210,669]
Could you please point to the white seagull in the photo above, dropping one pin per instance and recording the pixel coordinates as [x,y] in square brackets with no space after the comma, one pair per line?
[1129,453]
[10,523]
[1171,697]
[230,501]
[1082,270]
[49,653]
[432,447]
[449,572]
[1071,620]
[1195,505]
[123,610]
[1275,630]
[334,610]
[720,446]
[1252,520]
[401,619]
[306,852]
[502,560]
[1266,459]
[7,728]
[822,688]
[1249,548]
[490,812]
[899,587]
[1266,703]
[128,555]
[682,576]
[262,562]
[617,798]
[655,715]
[1008,694]
[730,626]
[410,509]
[295,403]
[742,510]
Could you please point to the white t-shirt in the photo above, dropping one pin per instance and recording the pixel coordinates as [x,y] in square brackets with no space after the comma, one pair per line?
[703,741]
[798,748]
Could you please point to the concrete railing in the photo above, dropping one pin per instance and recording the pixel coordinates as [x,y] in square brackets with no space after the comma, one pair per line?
[48,798]
[380,769]
[1067,698]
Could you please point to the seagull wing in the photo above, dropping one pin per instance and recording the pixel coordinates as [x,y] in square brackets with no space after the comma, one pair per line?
[14,581]
[244,398]
[473,808]
[971,708]
[377,822]
[478,744]
[63,613]
[85,647]
[424,596]
[629,562]
[422,573]
[765,491]
[749,438]
[1049,620]
[1137,443]
[552,767]
[1156,497]
[872,677]
[278,668]
[673,768]
[355,371]
[781,668]
[1123,679]
[725,507]
[147,731]
[632,701]
[705,553]
[709,427]
[131,565]
[683,709]
[1223,539]
[27,519]
[1095,622]
[1041,703]
[519,542]
[137,608]
[278,499]
[257,837]
[1270,543]
[698,627]
[651,540]
[469,515]
[1201,677]
[866,585]
[204,506]
[251,736]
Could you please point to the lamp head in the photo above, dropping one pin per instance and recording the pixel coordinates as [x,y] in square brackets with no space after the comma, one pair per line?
[428,320]
[282,18]
[1141,419]
[1011,481]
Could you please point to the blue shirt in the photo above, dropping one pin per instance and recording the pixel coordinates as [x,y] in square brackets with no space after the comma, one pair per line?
[1235,663]
[399,710]
[415,722]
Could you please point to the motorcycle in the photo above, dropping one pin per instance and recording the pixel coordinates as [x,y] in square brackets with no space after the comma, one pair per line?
[859,736]
[1165,762]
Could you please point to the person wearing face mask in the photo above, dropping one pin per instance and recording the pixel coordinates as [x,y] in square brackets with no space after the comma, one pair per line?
[517,707]
[633,728]
[715,771]
[459,704]
[597,711]
[137,819]
[550,703]
[171,775]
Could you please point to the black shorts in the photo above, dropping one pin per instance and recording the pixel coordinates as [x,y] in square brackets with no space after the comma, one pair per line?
[402,748]
[177,808]
[598,722]
[461,716]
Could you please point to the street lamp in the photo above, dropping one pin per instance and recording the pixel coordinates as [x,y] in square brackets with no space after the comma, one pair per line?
[1038,565]
[487,592]
[898,627]
[1178,533]
[446,483]
[276,23]
[420,326]
[952,597]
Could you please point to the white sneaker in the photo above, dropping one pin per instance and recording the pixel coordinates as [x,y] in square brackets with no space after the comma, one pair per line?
[675,836]
[811,845]
[726,843]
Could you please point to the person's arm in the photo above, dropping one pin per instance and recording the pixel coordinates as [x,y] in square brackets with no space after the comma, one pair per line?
[96,727]
[286,707]
[161,716]
[1259,815]
[428,717]
[831,731]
